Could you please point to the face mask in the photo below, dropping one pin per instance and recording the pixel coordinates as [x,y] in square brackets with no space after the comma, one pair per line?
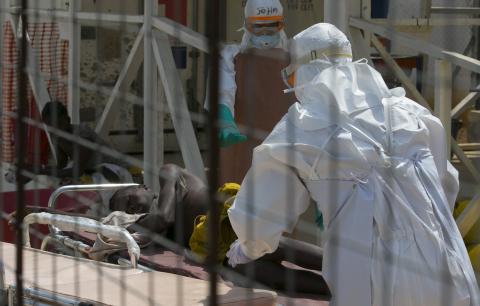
[265,41]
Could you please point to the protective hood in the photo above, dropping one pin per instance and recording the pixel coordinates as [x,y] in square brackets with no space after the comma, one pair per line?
[347,87]
[264,12]
[263,9]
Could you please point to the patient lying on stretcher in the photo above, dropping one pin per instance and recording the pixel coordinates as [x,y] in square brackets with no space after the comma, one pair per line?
[177,213]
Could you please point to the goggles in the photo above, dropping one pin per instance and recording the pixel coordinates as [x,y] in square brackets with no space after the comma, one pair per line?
[264,25]
[288,79]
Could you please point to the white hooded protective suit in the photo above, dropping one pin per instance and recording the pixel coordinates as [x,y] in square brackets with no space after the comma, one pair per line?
[374,162]
[227,86]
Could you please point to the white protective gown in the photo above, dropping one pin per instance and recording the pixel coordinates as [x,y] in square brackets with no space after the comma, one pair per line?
[375,163]
[227,86]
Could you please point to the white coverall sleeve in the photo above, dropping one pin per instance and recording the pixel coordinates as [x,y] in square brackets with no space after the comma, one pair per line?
[438,145]
[227,85]
[270,201]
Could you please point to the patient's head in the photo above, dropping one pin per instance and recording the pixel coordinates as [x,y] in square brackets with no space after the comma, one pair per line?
[132,200]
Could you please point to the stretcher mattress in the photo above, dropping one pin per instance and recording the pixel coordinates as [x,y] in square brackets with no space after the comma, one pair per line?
[115,285]
[167,261]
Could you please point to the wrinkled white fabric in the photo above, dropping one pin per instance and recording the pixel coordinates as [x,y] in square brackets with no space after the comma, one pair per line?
[375,163]
[321,42]
[104,246]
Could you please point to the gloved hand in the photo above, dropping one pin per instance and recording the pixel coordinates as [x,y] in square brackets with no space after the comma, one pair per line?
[236,256]
[319,218]
[228,132]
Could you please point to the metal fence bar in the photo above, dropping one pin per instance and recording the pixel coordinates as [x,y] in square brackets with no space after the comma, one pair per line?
[74,63]
[213,33]
[19,150]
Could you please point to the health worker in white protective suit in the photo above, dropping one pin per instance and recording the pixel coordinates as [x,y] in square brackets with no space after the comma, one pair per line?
[251,87]
[375,163]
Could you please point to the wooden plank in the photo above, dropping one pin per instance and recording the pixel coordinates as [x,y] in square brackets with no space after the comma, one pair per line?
[465,160]
[336,12]
[391,33]
[473,146]
[443,96]
[428,22]
[359,45]
[465,104]
[469,216]
[399,73]
[417,44]
[182,33]
[125,79]
[420,99]
[87,18]
[150,102]
[454,10]
[74,63]
[177,104]
[469,63]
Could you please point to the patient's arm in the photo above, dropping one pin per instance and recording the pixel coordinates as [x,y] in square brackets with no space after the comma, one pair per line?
[268,270]
[300,253]
[151,223]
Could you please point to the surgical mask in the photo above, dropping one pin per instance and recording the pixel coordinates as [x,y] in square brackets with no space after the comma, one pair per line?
[265,41]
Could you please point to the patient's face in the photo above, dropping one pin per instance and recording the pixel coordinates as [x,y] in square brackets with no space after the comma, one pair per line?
[133,200]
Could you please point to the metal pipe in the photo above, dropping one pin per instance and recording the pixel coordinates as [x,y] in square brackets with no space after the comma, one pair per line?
[213,32]
[148,121]
[454,10]
[69,223]
[20,149]
[74,63]
[54,196]
[425,8]
[336,13]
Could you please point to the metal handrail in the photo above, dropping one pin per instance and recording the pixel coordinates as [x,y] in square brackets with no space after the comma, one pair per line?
[69,223]
[92,187]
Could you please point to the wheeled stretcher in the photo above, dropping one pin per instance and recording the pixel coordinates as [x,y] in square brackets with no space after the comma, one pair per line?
[76,235]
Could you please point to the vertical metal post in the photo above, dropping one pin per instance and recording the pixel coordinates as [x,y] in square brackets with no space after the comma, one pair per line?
[74,62]
[20,149]
[426,6]
[366,13]
[160,124]
[336,13]
[213,32]
[443,96]
[156,123]
[148,103]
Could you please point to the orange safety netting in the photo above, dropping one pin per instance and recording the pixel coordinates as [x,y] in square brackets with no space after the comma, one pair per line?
[52,57]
